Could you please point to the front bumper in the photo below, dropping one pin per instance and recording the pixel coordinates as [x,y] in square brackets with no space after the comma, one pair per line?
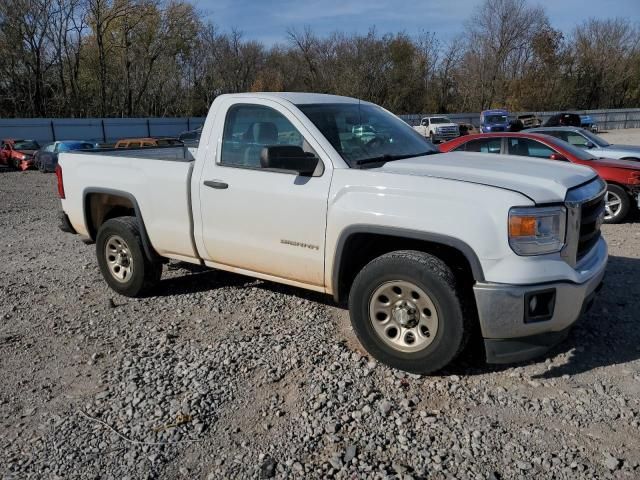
[502,310]
[444,137]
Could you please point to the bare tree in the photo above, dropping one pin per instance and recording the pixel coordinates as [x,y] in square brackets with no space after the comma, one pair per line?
[499,36]
[156,57]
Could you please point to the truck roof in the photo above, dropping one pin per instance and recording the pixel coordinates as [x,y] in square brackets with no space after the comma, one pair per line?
[297,98]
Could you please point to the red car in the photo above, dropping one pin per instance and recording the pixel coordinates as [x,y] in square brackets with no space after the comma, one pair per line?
[622,176]
[18,153]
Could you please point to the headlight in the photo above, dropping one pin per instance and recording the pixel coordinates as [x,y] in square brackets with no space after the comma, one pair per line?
[537,230]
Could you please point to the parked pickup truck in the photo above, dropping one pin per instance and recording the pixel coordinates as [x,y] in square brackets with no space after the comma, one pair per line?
[438,129]
[427,248]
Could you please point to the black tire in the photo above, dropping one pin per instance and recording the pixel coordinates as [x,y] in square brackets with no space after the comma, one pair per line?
[145,273]
[625,204]
[432,276]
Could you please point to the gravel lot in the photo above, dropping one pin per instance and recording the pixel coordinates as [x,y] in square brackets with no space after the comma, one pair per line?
[630,136]
[222,376]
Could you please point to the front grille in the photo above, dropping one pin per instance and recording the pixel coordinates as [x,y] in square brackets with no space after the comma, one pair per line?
[585,212]
[497,129]
[590,220]
[448,130]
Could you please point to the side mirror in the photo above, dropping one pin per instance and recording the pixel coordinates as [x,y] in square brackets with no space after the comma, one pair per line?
[558,156]
[589,145]
[289,158]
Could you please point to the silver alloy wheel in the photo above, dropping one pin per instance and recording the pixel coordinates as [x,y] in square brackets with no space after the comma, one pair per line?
[119,258]
[612,205]
[403,316]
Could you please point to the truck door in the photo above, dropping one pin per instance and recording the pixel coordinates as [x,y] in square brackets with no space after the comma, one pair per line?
[258,220]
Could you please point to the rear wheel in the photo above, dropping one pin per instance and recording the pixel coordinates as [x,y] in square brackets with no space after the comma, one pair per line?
[406,311]
[617,204]
[123,263]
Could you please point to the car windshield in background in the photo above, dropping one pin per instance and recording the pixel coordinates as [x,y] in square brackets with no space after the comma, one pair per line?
[440,120]
[26,145]
[68,147]
[496,119]
[599,141]
[362,133]
[578,152]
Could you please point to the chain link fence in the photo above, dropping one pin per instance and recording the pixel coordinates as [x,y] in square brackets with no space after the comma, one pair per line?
[108,130]
[103,130]
[605,119]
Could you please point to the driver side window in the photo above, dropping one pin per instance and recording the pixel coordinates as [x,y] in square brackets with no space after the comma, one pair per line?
[249,128]
[484,145]
[576,139]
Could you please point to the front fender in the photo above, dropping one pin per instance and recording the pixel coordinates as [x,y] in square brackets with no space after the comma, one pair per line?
[469,217]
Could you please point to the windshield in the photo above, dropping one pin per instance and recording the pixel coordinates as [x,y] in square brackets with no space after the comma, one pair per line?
[67,147]
[495,119]
[26,145]
[362,132]
[440,120]
[577,152]
[601,142]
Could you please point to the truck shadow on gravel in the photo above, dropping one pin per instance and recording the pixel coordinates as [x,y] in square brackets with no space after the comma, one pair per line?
[195,279]
[200,279]
[609,334]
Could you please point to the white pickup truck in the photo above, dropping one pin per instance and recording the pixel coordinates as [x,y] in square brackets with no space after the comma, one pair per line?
[438,129]
[428,248]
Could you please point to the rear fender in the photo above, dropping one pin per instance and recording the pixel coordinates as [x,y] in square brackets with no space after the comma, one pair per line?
[146,242]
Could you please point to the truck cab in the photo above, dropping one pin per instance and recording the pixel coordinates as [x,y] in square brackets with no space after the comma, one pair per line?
[494,121]
[438,129]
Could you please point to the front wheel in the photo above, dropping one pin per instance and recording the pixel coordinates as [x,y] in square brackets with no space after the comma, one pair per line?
[122,260]
[406,310]
[617,204]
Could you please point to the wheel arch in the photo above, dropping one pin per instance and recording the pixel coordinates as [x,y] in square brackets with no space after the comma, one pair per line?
[359,244]
[620,185]
[101,204]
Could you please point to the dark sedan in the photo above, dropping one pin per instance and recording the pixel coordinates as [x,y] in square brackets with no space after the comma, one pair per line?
[46,158]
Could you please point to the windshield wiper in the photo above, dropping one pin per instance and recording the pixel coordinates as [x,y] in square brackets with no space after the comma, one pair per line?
[390,158]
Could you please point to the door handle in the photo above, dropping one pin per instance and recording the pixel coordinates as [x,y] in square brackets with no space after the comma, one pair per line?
[216,184]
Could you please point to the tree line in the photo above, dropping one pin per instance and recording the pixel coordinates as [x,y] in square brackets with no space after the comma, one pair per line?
[129,58]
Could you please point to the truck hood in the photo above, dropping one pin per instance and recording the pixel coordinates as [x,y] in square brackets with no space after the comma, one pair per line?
[543,181]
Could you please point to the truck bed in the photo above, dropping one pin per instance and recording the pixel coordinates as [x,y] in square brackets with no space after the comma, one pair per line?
[158,180]
[177,154]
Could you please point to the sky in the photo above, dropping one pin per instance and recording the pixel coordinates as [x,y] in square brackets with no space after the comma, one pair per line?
[268,20]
